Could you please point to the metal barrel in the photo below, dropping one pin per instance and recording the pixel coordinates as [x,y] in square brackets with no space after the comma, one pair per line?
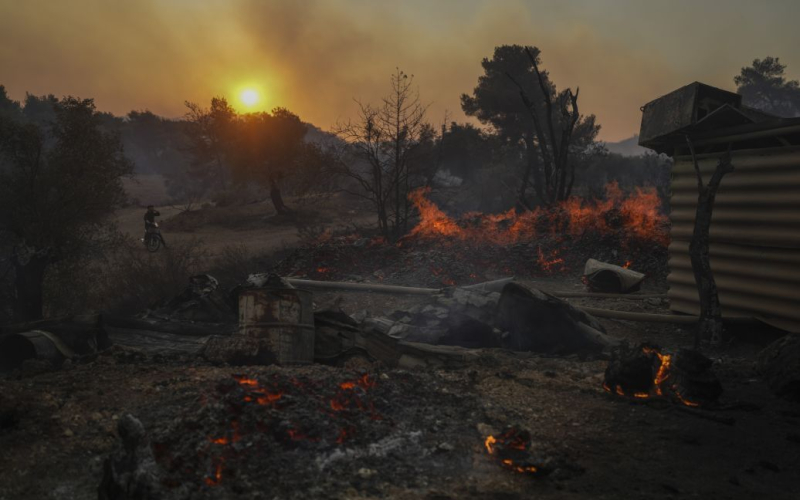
[283,321]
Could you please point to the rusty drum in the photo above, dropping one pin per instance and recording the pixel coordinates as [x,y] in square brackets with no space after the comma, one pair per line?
[283,321]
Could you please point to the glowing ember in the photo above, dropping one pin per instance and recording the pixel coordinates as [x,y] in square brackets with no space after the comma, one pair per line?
[216,477]
[440,274]
[511,448]
[660,380]
[249,382]
[551,263]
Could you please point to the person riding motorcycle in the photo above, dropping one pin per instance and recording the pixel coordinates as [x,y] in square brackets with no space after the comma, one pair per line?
[150,219]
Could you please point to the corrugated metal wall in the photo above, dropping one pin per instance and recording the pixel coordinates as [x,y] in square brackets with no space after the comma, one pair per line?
[755,236]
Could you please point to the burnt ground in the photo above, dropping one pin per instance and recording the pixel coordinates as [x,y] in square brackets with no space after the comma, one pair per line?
[403,434]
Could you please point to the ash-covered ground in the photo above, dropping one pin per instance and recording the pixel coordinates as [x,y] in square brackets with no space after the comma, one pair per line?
[367,431]
[504,425]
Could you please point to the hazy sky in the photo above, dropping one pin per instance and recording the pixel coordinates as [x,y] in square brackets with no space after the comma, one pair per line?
[315,56]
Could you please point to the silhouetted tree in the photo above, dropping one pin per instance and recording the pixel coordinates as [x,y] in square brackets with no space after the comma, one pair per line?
[266,147]
[58,185]
[465,149]
[520,102]
[384,143]
[209,132]
[764,86]
[155,144]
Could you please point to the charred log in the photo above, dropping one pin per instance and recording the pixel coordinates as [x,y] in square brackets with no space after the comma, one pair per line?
[646,371]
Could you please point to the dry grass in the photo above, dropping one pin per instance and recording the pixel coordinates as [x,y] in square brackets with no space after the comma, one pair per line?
[127,279]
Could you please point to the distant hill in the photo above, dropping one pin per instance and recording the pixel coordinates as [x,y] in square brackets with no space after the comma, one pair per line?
[627,147]
[320,137]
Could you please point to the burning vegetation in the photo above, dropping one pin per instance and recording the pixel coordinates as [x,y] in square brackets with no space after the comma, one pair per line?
[630,229]
[639,214]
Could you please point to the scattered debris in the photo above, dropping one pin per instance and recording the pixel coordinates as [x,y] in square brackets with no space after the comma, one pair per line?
[779,364]
[536,321]
[604,277]
[52,341]
[201,301]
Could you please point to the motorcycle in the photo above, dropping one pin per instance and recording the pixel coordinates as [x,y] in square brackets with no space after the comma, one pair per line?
[152,238]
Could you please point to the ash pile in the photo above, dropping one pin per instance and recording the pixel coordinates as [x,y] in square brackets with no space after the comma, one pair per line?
[310,432]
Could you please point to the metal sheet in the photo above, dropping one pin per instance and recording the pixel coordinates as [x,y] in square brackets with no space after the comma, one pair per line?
[755,235]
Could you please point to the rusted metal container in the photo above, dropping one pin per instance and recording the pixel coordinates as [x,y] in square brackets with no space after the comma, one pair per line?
[680,110]
[283,319]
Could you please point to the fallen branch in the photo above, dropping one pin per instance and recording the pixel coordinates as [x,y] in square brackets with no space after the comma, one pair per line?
[360,287]
[488,286]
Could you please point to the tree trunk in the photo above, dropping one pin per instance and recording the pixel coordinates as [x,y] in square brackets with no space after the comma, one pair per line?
[277,199]
[531,169]
[29,286]
[710,325]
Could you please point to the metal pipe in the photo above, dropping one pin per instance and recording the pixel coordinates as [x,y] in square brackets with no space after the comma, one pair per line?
[658,318]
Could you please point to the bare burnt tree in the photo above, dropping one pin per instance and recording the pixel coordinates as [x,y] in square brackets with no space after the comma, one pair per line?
[555,176]
[382,144]
[710,326]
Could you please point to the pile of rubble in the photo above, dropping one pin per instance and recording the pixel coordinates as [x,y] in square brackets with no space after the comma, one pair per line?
[454,321]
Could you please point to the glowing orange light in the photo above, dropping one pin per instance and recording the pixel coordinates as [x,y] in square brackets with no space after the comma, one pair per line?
[249,97]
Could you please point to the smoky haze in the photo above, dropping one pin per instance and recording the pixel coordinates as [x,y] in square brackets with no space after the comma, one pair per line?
[315,56]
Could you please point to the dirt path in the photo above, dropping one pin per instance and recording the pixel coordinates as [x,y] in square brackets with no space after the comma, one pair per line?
[254,226]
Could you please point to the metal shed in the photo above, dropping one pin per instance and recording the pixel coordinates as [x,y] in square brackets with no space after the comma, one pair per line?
[755,230]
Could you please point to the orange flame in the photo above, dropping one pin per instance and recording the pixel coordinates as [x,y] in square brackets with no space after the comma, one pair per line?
[551,263]
[640,214]
[516,443]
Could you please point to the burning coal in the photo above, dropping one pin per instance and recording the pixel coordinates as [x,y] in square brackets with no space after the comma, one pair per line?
[648,372]
[512,449]
[638,214]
